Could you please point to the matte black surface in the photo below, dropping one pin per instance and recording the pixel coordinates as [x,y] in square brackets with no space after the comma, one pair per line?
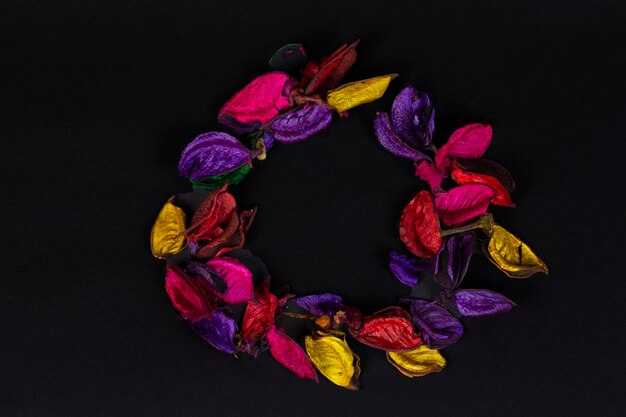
[99,98]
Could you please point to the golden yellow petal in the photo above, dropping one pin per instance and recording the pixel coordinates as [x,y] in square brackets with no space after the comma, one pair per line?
[167,237]
[354,94]
[417,362]
[334,359]
[511,255]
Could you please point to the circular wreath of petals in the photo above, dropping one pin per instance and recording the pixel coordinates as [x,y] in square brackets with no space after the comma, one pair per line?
[208,271]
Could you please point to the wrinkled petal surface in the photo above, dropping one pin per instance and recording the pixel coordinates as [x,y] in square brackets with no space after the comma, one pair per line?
[419,226]
[238,279]
[301,123]
[210,154]
[463,203]
[389,140]
[479,303]
[290,355]
[437,326]
[417,362]
[354,94]
[334,359]
[168,232]
[413,117]
[320,304]
[219,330]
[389,329]
[511,255]
[470,141]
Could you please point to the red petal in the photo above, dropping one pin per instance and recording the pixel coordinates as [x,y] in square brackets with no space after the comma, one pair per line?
[419,226]
[388,329]
[463,203]
[501,196]
[259,315]
[333,69]
[290,354]
[212,216]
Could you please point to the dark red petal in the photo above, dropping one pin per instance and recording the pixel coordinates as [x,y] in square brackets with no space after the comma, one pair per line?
[259,315]
[419,226]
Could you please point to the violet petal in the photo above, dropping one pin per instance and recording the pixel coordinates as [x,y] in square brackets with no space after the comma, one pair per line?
[438,327]
[407,268]
[452,262]
[219,330]
[478,303]
[239,128]
[388,138]
[212,153]
[320,304]
[301,123]
[413,117]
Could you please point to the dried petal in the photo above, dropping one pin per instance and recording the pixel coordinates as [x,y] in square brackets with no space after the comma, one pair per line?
[289,58]
[438,327]
[511,255]
[354,94]
[407,268]
[190,296]
[470,141]
[261,100]
[332,70]
[219,330]
[232,237]
[463,203]
[427,171]
[213,153]
[487,167]
[478,303]
[259,315]
[301,123]
[501,196]
[413,117]
[235,126]
[320,304]
[417,362]
[388,329]
[334,359]
[168,232]
[213,214]
[290,355]
[238,279]
[216,181]
[452,263]
[389,140]
[419,226]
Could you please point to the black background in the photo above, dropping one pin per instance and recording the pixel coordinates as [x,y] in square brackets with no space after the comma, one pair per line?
[99,98]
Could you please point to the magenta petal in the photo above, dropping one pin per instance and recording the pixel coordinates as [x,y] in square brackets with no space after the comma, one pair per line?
[290,354]
[188,297]
[238,279]
[301,123]
[470,141]
[463,203]
[478,303]
[212,153]
[261,100]
[427,171]
[219,330]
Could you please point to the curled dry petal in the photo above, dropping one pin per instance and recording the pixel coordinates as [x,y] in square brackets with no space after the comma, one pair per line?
[168,232]
[389,329]
[330,72]
[478,303]
[191,297]
[389,140]
[289,58]
[354,94]
[213,214]
[320,304]
[301,123]
[237,278]
[332,356]
[232,237]
[407,268]
[470,141]
[210,154]
[259,315]
[427,171]
[437,326]
[419,226]
[289,354]
[487,167]
[417,362]
[261,100]
[219,330]
[511,255]
[501,196]
[463,203]
[452,263]
[413,117]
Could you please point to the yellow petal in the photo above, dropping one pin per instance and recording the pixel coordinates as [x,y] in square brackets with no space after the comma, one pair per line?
[417,362]
[354,94]
[334,359]
[167,237]
[511,255]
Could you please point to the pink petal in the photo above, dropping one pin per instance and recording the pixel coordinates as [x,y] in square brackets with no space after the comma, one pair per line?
[187,295]
[290,355]
[427,171]
[238,279]
[470,141]
[261,100]
[463,203]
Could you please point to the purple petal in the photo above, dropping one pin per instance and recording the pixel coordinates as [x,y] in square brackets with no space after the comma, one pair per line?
[268,139]
[452,262]
[439,328]
[212,153]
[388,138]
[300,124]
[320,304]
[407,268]
[239,128]
[219,330]
[478,303]
[413,117]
